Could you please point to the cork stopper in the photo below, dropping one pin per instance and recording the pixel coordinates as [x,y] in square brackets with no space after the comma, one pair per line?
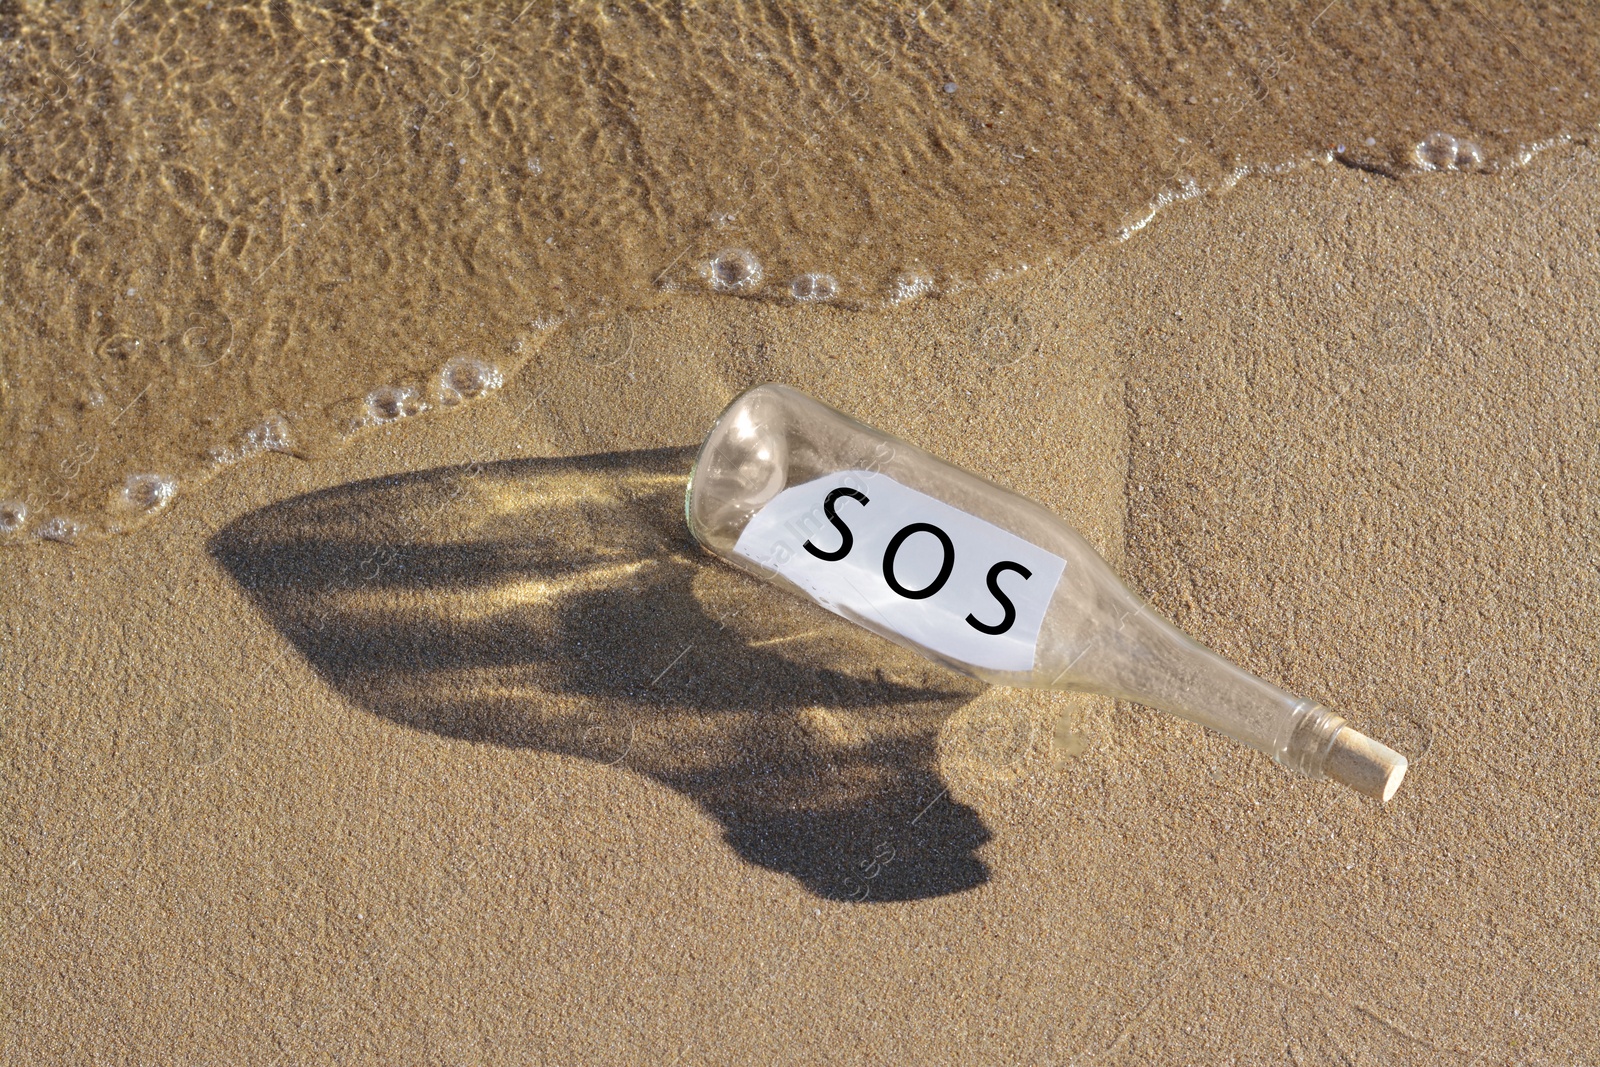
[1356,760]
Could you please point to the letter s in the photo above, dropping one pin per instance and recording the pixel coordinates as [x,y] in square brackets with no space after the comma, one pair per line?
[992,581]
[847,539]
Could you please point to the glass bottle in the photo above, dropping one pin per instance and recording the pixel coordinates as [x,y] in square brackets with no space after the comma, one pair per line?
[978,578]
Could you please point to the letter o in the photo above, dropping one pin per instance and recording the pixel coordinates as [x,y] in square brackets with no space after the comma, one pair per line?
[944,571]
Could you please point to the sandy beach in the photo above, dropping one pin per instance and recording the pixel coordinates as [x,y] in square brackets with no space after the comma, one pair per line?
[240,228]
[450,747]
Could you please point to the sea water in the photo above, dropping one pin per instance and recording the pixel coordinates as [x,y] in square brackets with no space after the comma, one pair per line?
[243,229]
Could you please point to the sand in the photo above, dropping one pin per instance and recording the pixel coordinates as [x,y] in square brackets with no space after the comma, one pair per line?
[251,227]
[468,756]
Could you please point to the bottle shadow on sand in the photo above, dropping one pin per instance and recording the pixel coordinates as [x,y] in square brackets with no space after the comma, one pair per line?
[560,605]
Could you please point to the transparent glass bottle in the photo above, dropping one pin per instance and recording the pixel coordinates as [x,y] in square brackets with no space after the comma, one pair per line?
[978,578]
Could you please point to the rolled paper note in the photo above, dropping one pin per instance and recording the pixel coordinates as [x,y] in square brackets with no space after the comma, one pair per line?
[978,578]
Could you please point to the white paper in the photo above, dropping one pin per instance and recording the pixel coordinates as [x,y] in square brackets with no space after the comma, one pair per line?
[793,532]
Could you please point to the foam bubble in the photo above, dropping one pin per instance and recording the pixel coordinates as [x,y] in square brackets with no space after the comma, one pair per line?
[148,492]
[1188,189]
[13,515]
[61,529]
[1468,155]
[271,435]
[908,285]
[1441,151]
[733,271]
[465,378]
[1526,152]
[814,288]
[390,402]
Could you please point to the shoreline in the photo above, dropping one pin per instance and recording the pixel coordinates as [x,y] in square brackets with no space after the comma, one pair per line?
[242,836]
[424,194]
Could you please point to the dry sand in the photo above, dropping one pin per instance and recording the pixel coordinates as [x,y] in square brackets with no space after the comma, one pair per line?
[415,771]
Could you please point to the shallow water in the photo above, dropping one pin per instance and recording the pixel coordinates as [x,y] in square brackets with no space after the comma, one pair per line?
[261,227]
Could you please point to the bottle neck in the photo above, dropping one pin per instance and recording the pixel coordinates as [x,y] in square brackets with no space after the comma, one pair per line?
[1143,658]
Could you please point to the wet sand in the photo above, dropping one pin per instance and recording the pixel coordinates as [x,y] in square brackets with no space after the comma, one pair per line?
[448,748]
[252,228]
